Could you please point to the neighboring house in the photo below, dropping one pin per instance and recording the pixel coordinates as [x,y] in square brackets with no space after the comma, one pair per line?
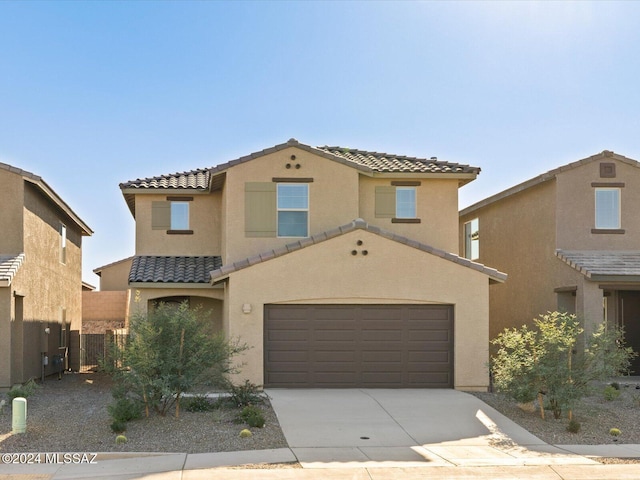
[40,278]
[569,240]
[337,267]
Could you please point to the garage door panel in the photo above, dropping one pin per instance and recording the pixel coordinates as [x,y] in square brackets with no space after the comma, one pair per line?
[428,357]
[388,346]
[336,355]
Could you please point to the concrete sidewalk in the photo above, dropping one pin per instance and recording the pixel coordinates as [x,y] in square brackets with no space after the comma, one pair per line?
[175,466]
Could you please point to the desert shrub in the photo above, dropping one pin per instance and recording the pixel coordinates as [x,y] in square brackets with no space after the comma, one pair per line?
[615,385]
[610,393]
[252,416]
[120,439]
[170,351]
[125,409]
[614,432]
[118,426]
[245,433]
[573,426]
[25,390]
[546,361]
[199,403]
[245,394]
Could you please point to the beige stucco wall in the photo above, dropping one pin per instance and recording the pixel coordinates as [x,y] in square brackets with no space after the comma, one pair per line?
[115,277]
[576,207]
[437,209]
[333,197]
[6,318]
[517,237]
[390,273]
[11,186]
[46,284]
[208,299]
[102,311]
[204,220]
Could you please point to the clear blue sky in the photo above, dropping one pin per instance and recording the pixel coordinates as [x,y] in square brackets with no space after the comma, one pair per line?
[96,93]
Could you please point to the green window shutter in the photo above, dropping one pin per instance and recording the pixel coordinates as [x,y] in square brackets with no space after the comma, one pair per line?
[161,215]
[385,202]
[260,214]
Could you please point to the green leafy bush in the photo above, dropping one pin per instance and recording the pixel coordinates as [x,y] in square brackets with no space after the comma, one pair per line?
[118,426]
[245,394]
[125,409]
[547,360]
[610,393]
[615,385]
[252,416]
[574,426]
[170,350]
[25,390]
[199,403]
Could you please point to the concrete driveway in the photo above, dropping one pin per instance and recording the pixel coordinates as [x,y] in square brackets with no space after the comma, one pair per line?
[414,427]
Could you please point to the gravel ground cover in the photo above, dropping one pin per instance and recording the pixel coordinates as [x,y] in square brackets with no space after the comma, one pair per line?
[70,415]
[595,414]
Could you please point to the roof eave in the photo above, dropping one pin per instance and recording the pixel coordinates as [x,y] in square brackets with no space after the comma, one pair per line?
[61,204]
[181,285]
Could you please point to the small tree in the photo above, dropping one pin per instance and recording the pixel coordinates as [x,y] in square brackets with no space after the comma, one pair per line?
[545,361]
[171,350]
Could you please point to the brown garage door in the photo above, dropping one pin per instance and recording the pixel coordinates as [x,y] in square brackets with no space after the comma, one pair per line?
[379,346]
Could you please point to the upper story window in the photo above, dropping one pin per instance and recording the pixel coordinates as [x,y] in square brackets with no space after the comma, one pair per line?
[179,215]
[293,209]
[405,202]
[63,243]
[607,208]
[472,240]
[398,202]
[172,215]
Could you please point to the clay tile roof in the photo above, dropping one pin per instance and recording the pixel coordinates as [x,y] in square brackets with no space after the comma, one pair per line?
[385,162]
[603,265]
[173,269]
[197,179]
[9,266]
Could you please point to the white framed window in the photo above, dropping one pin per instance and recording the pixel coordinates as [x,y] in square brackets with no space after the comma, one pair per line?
[293,209]
[179,215]
[472,239]
[63,243]
[607,208]
[406,202]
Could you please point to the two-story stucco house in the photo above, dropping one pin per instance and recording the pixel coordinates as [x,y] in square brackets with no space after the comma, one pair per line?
[338,267]
[569,240]
[40,278]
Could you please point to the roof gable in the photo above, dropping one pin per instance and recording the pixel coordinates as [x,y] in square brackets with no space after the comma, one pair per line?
[358,224]
[49,193]
[550,175]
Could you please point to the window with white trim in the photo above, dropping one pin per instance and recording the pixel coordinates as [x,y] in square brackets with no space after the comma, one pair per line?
[607,208]
[63,243]
[179,215]
[293,209]
[406,202]
[472,240]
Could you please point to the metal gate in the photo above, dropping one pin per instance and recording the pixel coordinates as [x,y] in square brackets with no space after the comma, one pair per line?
[96,347]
